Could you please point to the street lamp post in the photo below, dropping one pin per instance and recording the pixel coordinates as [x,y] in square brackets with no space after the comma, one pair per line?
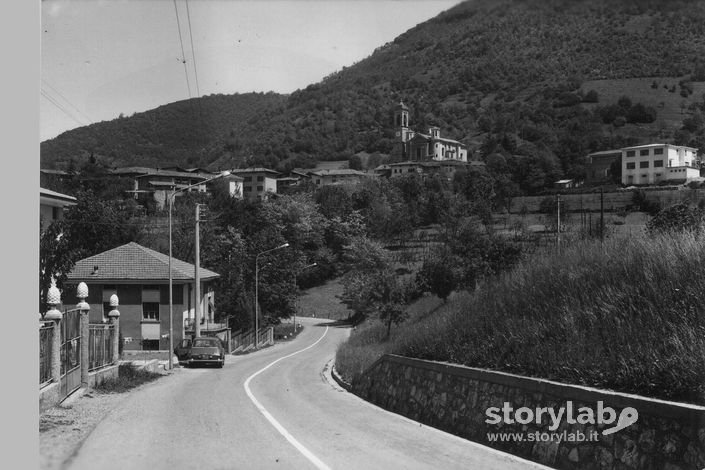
[296,289]
[257,288]
[170,200]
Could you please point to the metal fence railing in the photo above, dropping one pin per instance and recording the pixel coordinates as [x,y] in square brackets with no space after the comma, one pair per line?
[46,333]
[100,340]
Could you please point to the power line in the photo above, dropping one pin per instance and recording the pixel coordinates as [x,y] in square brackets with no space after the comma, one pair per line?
[61,107]
[87,118]
[195,69]
[193,51]
[183,54]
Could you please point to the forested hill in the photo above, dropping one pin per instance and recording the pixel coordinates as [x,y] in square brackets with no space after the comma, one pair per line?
[539,78]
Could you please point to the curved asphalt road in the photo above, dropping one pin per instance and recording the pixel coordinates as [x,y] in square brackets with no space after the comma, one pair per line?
[277,408]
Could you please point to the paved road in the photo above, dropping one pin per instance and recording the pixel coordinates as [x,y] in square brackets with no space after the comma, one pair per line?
[275,409]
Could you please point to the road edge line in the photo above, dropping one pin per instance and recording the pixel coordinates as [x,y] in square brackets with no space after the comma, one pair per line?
[292,440]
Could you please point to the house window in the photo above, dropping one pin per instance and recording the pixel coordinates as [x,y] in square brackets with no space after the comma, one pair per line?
[150,345]
[418,153]
[644,153]
[658,163]
[150,311]
[260,178]
[260,188]
[643,164]
[631,153]
[248,179]
[658,151]
[631,165]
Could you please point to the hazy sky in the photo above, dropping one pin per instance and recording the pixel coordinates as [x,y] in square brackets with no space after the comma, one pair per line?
[101,58]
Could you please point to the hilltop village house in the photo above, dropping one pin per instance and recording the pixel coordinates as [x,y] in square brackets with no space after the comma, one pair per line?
[140,278]
[599,166]
[337,176]
[157,183]
[654,163]
[258,183]
[52,206]
[445,169]
[416,146]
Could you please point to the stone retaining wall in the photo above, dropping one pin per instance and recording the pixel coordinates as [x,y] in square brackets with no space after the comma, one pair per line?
[455,399]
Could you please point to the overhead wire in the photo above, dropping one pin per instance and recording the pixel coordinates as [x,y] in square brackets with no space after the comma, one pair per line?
[193,51]
[195,69]
[86,117]
[183,54]
[61,107]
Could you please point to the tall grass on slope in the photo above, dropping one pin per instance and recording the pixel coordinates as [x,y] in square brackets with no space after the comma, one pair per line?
[628,315]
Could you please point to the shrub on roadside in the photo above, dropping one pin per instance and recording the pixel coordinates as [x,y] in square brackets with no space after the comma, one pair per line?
[626,315]
[128,378]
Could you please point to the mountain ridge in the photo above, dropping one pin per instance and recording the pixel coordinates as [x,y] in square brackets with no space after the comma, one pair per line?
[502,76]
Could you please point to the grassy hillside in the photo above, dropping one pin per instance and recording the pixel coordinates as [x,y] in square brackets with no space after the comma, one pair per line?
[614,316]
[501,75]
[181,133]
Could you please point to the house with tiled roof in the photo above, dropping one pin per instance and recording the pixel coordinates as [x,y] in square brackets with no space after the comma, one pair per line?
[445,169]
[156,183]
[140,278]
[258,183]
[330,176]
[52,206]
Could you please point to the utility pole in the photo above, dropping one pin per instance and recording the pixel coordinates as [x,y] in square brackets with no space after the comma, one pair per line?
[602,214]
[197,303]
[558,224]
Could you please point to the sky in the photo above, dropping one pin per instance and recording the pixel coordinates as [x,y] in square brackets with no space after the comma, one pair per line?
[103,58]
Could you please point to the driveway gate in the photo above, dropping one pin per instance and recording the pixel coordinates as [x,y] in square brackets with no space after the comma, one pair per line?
[70,352]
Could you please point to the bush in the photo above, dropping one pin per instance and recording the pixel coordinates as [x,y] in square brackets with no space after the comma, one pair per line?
[625,314]
[129,377]
[591,97]
[677,218]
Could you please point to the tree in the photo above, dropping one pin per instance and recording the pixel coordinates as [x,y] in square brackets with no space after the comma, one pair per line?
[371,285]
[438,276]
[677,218]
[56,259]
[94,225]
[355,162]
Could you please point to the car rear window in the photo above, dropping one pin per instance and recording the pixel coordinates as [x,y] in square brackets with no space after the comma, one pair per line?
[205,343]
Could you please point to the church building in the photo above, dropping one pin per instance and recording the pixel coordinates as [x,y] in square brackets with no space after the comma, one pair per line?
[416,146]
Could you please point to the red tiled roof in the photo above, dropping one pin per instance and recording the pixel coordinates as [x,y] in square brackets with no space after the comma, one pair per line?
[133,262]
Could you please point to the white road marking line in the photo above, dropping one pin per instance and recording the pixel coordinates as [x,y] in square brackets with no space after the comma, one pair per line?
[300,447]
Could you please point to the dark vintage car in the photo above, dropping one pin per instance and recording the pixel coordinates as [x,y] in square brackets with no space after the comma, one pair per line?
[206,351]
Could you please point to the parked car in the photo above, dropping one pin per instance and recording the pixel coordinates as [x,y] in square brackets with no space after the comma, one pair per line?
[206,351]
[182,350]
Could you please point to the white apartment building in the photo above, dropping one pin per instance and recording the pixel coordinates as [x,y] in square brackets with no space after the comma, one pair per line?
[654,163]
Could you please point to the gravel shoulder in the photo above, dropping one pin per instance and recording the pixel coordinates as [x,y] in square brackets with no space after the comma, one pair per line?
[63,428]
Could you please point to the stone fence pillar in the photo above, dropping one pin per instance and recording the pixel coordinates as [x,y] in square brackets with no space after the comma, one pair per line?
[82,294]
[53,314]
[114,315]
